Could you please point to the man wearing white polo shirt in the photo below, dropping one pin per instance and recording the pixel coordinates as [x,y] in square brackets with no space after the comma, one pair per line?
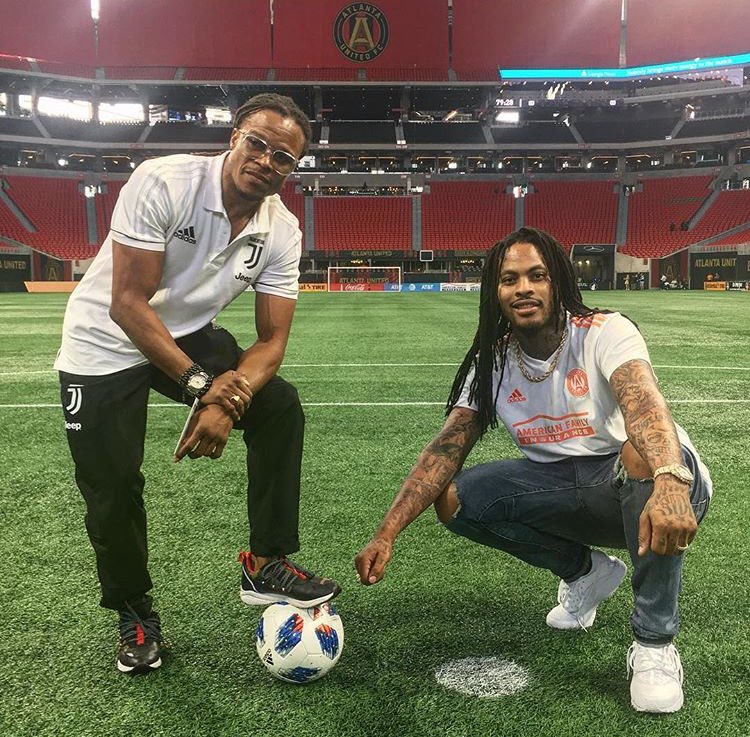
[189,234]
[604,464]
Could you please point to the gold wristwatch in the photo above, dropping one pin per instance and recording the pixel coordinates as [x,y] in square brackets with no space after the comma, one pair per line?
[680,472]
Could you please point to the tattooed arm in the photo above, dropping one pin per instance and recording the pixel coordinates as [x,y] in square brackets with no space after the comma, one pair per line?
[436,466]
[667,521]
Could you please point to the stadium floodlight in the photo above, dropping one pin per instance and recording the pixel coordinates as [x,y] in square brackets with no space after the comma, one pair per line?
[95,10]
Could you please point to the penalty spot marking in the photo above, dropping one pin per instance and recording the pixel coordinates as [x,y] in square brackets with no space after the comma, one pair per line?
[485,678]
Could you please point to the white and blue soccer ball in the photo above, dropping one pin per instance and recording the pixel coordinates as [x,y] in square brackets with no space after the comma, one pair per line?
[299,645]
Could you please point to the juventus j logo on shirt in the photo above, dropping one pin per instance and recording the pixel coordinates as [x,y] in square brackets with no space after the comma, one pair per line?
[257,249]
[75,400]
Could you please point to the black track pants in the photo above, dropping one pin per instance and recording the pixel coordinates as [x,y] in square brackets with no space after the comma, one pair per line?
[105,420]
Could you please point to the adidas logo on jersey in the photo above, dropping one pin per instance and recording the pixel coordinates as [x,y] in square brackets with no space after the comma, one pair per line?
[186,234]
[516,396]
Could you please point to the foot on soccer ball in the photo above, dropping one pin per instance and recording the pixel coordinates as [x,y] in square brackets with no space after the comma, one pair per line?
[578,600]
[656,686]
[280,579]
[139,649]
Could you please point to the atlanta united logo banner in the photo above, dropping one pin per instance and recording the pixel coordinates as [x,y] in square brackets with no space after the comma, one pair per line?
[361,32]
[336,34]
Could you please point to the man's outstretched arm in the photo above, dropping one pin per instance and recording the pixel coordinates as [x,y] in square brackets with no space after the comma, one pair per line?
[667,523]
[435,468]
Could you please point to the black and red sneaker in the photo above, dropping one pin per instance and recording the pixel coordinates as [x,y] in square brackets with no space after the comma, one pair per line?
[139,650]
[283,580]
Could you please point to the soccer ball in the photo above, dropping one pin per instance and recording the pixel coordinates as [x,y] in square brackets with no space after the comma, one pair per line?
[299,645]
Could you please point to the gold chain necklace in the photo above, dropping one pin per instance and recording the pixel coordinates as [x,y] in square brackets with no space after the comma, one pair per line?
[552,366]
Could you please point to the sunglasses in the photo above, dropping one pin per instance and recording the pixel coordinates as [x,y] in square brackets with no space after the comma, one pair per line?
[282,162]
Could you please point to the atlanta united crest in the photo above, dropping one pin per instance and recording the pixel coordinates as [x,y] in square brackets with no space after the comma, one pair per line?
[361,31]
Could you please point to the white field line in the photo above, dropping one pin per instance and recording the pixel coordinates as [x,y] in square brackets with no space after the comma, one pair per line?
[407,365]
[159,405]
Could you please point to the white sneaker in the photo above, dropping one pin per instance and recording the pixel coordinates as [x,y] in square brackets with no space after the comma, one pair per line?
[656,686]
[578,600]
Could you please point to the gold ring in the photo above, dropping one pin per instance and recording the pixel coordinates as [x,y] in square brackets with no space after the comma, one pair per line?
[682,548]
[235,398]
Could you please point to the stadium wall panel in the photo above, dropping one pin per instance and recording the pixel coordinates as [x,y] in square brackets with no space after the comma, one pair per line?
[535,34]
[676,30]
[42,29]
[232,33]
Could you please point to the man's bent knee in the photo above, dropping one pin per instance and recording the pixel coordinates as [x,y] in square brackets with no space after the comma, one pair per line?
[447,504]
[632,461]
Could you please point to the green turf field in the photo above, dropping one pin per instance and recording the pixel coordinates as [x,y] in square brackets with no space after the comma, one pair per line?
[373,371]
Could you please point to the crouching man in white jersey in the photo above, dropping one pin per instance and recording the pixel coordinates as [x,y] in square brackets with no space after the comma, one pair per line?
[605,465]
[189,235]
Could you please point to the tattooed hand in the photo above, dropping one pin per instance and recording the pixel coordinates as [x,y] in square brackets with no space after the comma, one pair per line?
[372,560]
[667,524]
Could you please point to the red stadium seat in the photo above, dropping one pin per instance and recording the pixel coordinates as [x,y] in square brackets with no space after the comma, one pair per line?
[656,214]
[466,215]
[574,212]
[372,223]
[57,209]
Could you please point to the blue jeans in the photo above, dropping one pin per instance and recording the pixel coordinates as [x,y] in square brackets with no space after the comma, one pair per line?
[549,514]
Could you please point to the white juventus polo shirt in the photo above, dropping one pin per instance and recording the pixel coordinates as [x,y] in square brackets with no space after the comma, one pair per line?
[173,204]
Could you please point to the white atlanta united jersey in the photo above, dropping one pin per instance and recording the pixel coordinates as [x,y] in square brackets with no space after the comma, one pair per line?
[572,412]
[174,205]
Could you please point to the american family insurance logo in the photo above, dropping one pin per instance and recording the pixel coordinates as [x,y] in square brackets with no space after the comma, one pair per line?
[548,429]
[361,31]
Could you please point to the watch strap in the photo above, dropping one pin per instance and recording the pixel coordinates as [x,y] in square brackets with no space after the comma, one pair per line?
[185,380]
[678,470]
[196,368]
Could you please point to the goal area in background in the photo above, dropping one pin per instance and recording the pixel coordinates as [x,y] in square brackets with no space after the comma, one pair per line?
[364,278]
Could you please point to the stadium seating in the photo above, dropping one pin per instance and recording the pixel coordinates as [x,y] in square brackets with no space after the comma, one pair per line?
[372,223]
[105,205]
[10,225]
[296,204]
[736,239]
[656,215]
[56,208]
[466,215]
[731,208]
[574,212]
[456,215]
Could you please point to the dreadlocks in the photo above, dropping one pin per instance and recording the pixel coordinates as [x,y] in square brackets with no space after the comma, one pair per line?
[490,346]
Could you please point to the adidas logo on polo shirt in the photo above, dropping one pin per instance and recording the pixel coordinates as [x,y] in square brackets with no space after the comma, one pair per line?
[516,396]
[186,234]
